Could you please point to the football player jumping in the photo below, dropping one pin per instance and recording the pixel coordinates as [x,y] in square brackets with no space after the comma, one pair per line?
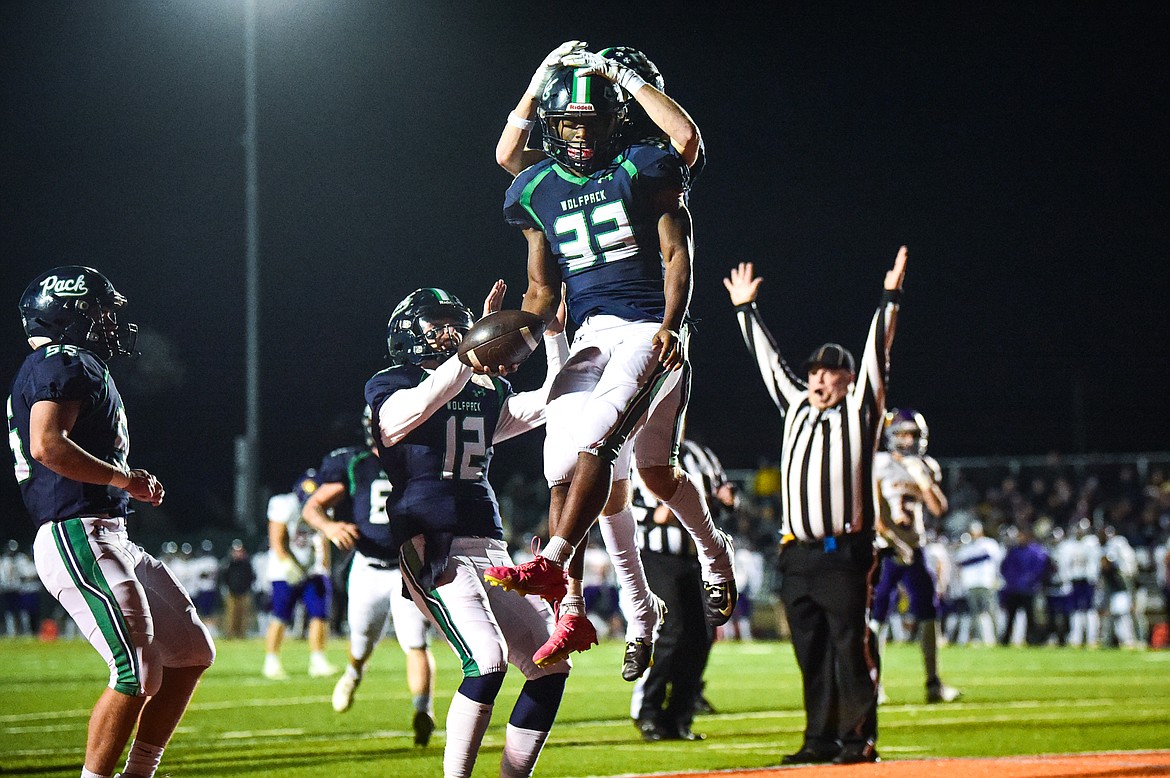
[436,423]
[69,438]
[604,217]
[908,481]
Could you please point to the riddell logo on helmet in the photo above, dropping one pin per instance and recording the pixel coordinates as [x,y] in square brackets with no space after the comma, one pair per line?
[64,287]
[581,107]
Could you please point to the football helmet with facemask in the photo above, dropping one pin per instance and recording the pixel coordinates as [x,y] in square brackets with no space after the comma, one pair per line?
[902,420]
[410,333]
[590,101]
[77,306]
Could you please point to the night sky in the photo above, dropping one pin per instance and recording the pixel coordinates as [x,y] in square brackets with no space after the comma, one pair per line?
[1020,150]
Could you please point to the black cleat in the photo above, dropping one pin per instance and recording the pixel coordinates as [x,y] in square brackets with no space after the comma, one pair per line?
[639,658]
[719,602]
[423,725]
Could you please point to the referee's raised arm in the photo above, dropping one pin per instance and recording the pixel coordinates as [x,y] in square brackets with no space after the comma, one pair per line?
[783,385]
[875,360]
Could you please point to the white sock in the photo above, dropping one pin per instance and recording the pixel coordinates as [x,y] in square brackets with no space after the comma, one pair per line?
[573,604]
[692,511]
[618,532]
[143,759]
[90,774]
[467,720]
[521,750]
[353,672]
[557,550]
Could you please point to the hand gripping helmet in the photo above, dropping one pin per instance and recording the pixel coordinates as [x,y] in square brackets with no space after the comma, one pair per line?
[638,62]
[77,305]
[568,95]
[406,332]
[900,420]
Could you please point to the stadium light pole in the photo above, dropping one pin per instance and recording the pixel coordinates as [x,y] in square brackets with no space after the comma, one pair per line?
[248,446]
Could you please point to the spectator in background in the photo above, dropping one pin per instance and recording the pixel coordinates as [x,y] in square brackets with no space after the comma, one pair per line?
[204,569]
[1057,592]
[977,559]
[1023,569]
[1119,570]
[1080,559]
[238,577]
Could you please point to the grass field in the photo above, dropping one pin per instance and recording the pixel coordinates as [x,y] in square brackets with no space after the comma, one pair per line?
[1016,701]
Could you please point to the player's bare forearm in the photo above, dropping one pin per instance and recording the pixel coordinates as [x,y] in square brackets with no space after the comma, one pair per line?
[544,278]
[672,119]
[512,153]
[49,444]
[674,236]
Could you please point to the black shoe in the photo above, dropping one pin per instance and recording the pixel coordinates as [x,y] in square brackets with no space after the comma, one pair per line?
[812,755]
[423,726]
[719,602]
[857,753]
[651,731]
[684,732]
[639,657]
[703,706]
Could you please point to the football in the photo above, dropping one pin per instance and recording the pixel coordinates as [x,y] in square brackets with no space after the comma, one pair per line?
[502,338]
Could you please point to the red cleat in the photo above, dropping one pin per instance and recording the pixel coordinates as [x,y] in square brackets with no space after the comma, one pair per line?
[540,577]
[573,633]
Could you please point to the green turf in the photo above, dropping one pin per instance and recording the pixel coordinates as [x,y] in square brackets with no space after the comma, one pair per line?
[1016,701]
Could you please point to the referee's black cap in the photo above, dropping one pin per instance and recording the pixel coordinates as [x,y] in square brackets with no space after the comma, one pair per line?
[833,356]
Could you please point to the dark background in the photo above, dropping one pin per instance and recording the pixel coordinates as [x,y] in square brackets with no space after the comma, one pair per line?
[1019,149]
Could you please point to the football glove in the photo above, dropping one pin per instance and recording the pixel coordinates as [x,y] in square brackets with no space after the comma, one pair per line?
[595,64]
[550,64]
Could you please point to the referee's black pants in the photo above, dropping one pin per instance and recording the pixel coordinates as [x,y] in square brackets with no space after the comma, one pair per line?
[826,595]
[674,683]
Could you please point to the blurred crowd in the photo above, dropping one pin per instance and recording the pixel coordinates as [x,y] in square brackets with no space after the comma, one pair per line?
[1061,552]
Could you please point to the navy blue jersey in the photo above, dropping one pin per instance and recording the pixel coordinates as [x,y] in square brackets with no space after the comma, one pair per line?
[439,470]
[63,373]
[367,486]
[603,229]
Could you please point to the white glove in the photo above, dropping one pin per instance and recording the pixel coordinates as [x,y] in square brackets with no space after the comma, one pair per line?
[292,570]
[550,64]
[918,471]
[595,64]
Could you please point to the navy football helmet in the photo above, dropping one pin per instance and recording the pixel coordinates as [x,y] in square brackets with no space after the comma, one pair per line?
[901,420]
[306,484]
[407,331]
[77,305]
[568,95]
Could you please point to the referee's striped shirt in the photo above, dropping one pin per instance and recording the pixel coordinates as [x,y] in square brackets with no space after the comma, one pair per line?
[826,462]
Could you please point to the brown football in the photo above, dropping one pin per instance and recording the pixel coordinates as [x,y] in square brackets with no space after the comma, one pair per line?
[502,338]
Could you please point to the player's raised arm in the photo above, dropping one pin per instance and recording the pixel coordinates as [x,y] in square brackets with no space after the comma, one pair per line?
[512,152]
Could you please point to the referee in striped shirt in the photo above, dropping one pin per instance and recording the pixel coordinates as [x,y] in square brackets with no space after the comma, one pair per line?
[832,427]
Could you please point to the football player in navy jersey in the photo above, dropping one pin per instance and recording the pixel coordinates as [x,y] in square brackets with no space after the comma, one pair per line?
[436,423]
[375,582]
[608,219]
[671,126]
[69,438]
